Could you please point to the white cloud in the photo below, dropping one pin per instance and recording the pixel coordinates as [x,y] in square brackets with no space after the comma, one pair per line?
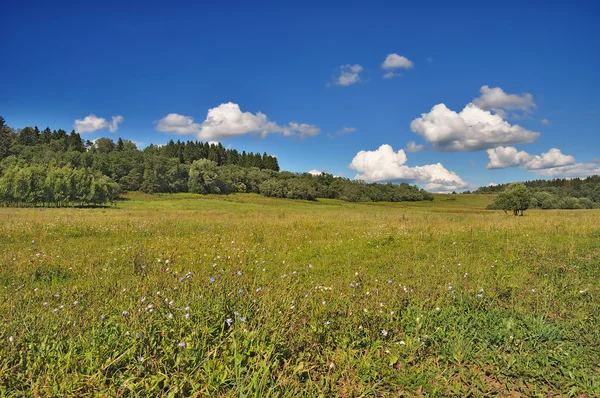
[391,75]
[93,123]
[315,172]
[496,99]
[343,131]
[503,157]
[349,75]
[384,164]
[227,120]
[571,171]
[470,130]
[545,122]
[114,124]
[395,61]
[178,124]
[492,184]
[414,147]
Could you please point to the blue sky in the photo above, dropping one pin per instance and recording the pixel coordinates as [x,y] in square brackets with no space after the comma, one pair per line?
[280,63]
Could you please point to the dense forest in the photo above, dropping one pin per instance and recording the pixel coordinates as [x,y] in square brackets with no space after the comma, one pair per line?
[56,168]
[560,193]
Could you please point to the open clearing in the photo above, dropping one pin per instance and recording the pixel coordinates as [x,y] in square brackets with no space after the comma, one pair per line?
[183,295]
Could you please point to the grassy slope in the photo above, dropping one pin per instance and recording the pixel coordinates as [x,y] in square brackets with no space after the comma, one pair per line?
[413,270]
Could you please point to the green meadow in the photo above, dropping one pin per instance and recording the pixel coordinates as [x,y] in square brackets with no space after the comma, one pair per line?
[248,296]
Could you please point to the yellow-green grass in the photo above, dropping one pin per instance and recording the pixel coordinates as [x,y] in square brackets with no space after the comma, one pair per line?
[325,298]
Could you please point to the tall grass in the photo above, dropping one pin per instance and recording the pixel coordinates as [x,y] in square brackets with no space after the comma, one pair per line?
[185,295]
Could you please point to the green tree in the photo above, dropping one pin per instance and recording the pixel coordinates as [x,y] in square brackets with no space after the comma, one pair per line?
[516,198]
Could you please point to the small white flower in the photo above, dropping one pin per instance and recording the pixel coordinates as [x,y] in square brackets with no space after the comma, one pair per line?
[384,333]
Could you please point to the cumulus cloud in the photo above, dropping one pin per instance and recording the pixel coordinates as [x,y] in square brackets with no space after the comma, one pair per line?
[503,157]
[470,130]
[93,123]
[384,164]
[227,120]
[178,124]
[497,100]
[395,61]
[571,171]
[315,172]
[545,122]
[349,75]
[414,147]
[343,131]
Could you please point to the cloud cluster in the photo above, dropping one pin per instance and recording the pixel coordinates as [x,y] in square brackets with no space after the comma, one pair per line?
[227,120]
[503,157]
[577,170]
[315,172]
[497,100]
[349,75]
[549,164]
[93,123]
[384,164]
[470,130]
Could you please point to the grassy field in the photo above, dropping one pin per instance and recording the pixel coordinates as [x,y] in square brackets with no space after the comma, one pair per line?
[242,295]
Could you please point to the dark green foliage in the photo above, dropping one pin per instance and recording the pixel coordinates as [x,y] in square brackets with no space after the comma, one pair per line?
[516,198]
[40,185]
[105,167]
[559,193]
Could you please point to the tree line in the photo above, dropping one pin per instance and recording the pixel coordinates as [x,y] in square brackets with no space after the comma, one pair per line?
[29,157]
[559,193]
[517,198]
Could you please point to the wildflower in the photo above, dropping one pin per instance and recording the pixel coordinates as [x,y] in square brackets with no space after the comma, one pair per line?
[242,319]
[384,333]
[327,323]
[171,303]
[170,316]
[229,321]
[310,266]
[402,343]
[56,295]
[45,303]
[143,300]
[258,289]
[140,359]
[212,280]
[187,315]
[187,309]
[389,282]
[351,284]
[125,313]
[235,313]
[11,339]
[138,336]
[294,273]
[240,291]
[239,273]
[102,317]
[75,302]
[437,309]
[532,290]
[167,261]
[181,279]
[181,344]
[480,295]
